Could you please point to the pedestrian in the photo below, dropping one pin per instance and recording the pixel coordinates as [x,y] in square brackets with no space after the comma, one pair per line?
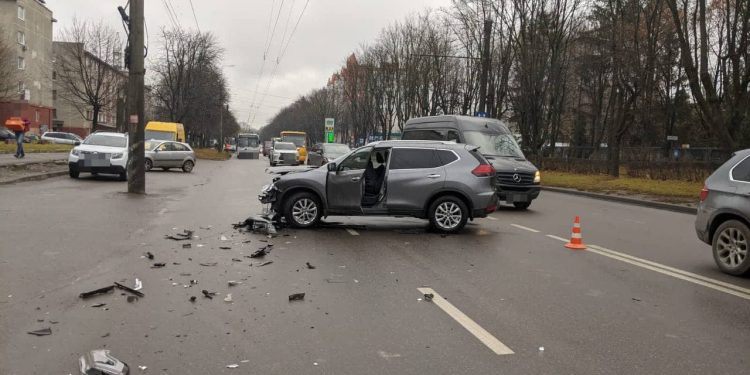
[19,142]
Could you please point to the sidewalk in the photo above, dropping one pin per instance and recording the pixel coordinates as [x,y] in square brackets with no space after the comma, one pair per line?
[32,158]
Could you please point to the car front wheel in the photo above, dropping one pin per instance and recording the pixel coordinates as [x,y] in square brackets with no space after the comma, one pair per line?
[149,165]
[302,210]
[448,214]
[73,173]
[730,247]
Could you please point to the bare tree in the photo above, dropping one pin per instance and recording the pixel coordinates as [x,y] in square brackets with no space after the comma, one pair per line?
[8,82]
[86,67]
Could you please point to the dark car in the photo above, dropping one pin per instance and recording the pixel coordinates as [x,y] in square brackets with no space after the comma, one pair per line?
[444,182]
[518,181]
[6,134]
[724,214]
[322,153]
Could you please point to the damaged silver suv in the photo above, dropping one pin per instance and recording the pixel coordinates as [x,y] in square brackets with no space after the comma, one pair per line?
[444,182]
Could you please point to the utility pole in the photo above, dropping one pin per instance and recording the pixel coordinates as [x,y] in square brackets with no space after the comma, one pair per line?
[485,66]
[221,126]
[136,158]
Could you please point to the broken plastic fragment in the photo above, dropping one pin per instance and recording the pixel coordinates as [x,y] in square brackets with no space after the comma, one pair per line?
[228,298]
[193,298]
[234,283]
[225,248]
[158,265]
[106,289]
[541,348]
[309,266]
[138,284]
[98,304]
[186,246]
[207,294]
[224,238]
[128,289]
[142,368]
[41,332]
[132,299]
[265,263]
[149,255]
[101,362]
[209,264]
[428,297]
[297,297]
[234,365]
[260,253]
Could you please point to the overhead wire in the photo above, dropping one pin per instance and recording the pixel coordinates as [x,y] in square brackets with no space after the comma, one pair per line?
[194,16]
[270,35]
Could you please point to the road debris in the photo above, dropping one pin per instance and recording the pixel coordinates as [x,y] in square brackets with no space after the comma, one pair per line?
[207,227]
[428,297]
[142,368]
[193,298]
[209,264]
[225,248]
[263,251]
[265,263]
[309,266]
[187,245]
[132,299]
[128,289]
[234,283]
[228,298]
[193,282]
[541,348]
[158,265]
[98,305]
[105,335]
[138,284]
[41,332]
[233,365]
[104,290]
[99,361]
[236,260]
[297,297]
[149,255]
[207,294]
[185,235]
[224,238]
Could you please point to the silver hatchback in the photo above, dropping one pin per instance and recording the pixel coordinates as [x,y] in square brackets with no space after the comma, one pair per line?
[444,182]
[723,219]
[169,154]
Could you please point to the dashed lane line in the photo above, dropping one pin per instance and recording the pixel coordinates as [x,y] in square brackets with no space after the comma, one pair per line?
[532,230]
[470,325]
[552,236]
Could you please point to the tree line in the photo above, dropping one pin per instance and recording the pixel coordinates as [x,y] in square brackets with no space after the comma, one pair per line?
[588,75]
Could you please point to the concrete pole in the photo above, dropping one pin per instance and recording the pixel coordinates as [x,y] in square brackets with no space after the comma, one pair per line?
[135,111]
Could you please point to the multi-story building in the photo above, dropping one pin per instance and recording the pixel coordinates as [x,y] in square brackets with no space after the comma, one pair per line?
[26,26]
[72,112]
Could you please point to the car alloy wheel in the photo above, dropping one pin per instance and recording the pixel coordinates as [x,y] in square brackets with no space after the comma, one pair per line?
[149,165]
[730,247]
[188,166]
[448,215]
[304,211]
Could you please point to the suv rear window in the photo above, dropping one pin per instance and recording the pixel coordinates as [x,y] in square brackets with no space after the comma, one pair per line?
[741,171]
[414,158]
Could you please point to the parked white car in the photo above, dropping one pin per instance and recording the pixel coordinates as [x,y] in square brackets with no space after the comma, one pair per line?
[101,152]
[61,137]
[284,153]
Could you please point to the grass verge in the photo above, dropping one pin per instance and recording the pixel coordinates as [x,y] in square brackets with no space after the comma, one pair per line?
[211,154]
[6,148]
[668,190]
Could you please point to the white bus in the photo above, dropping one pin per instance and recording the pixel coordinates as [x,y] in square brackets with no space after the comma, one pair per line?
[248,146]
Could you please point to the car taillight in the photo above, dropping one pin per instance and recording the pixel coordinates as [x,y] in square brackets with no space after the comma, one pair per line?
[704,193]
[483,170]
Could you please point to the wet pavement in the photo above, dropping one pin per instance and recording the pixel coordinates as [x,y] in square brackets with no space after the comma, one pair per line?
[364,310]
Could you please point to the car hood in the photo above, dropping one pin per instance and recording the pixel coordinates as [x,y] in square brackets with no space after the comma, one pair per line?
[287,170]
[286,151]
[502,164]
[104,149]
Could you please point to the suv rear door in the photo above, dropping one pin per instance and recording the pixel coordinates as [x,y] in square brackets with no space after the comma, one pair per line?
[414,174]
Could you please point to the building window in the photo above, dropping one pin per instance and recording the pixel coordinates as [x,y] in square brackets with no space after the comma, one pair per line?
[54,113]
[54,75]
[21,13]
[21,63]
[36,116]
[21,87]
[54,94]
[21,37]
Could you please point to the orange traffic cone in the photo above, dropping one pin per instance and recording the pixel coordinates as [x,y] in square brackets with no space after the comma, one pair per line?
[576,241]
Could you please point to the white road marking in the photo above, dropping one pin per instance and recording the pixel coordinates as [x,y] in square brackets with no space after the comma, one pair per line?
[532,230]
[352,232]
[475,329]
[552,236]
[492,218]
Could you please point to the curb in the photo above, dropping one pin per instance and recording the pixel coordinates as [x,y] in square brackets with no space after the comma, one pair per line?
[34,177]
[28,163]
[627,200]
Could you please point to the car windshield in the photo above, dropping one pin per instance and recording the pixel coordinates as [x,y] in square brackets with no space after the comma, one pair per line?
[106,140]
[494,144]
[162,136]
[151,145]
[335,149]
[298,140]
[285,146]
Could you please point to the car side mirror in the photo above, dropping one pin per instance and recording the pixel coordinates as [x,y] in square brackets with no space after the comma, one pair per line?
[77,143]
[156,150]
[332,167]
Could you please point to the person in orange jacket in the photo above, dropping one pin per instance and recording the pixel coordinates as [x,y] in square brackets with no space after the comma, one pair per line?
[19,141]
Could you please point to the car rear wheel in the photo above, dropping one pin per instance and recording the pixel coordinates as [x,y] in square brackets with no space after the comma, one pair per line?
[73,173]
[731,247]
[187,167]
[302,210]
[448,214]
[149,165]
[521,205]
[124,176]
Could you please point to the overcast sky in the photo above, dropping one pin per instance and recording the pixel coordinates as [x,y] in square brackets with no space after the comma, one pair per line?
[328,31]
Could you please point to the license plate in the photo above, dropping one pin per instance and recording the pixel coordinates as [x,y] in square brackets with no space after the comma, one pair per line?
[96,160]
[511,198]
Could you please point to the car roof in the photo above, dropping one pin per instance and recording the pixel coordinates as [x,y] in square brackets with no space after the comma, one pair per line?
[417,143]
[457,121]
[113,134]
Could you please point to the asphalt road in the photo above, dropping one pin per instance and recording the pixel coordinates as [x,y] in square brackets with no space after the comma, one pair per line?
[601,311]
